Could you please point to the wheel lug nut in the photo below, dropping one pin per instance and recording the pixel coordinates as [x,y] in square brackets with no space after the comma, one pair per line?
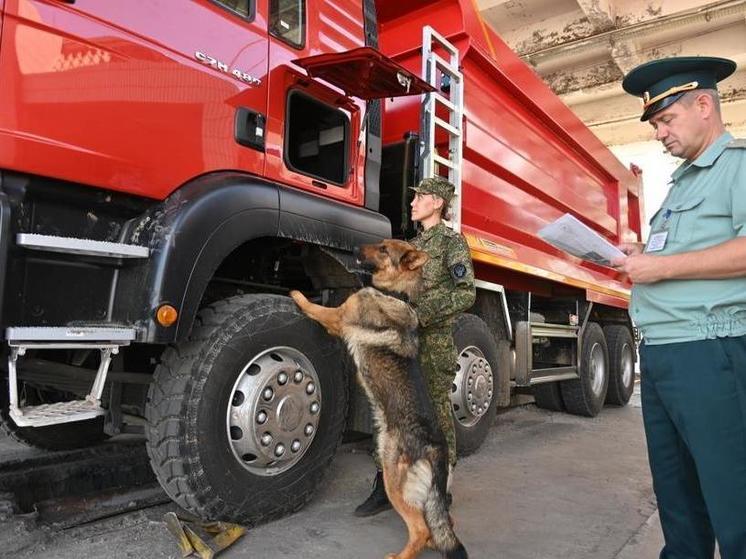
[295,447]
[282,378]
[315,407]
[268,393]
[310,387]
[279,449]
[308,430]
[298,376]
[266,439]
[261,417]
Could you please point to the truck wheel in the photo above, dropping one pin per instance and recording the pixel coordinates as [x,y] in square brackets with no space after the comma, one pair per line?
[474,396]
[548,396]
[586,395]
[66,436]
[245,417]
[621,364]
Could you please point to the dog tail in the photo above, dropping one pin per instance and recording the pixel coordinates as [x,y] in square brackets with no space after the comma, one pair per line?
[441,528]
[458,553]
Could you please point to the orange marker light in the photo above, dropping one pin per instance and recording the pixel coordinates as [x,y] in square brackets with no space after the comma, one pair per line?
[166,315]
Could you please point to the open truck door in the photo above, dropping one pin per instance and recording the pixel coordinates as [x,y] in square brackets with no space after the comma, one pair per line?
[318,134]
[364,73]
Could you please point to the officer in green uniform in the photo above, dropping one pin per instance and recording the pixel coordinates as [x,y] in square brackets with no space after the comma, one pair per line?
[689,301]
[448,289]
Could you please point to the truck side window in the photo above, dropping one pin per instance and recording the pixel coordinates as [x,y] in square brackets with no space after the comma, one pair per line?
[287,21]
[244,8]
[316,139]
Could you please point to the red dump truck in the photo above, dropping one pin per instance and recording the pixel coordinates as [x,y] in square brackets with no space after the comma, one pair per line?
[168,171]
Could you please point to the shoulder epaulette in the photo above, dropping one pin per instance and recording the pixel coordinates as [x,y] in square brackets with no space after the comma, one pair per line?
[737,143]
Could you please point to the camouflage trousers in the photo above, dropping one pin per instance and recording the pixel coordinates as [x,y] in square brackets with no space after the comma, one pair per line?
[438,363]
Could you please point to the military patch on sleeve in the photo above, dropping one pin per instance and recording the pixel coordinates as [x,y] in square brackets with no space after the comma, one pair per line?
[458,271]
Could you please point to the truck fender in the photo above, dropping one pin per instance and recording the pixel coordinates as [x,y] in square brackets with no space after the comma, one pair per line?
[188,235]
[191,232]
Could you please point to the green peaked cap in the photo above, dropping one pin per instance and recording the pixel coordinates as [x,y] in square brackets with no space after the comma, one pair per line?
[662,82]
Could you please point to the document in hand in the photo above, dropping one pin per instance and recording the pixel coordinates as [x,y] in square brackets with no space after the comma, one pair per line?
[571,235]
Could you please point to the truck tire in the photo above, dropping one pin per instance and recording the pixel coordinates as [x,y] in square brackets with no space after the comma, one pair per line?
[474,395]
[548,396]
[66,436]
[245,417]
[621,364]
[586,395]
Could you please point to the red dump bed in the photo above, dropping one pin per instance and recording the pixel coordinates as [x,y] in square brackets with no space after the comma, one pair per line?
[527,158]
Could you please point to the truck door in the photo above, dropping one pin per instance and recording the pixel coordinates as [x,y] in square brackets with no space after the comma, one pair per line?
[138,96]
[313,129]
[321,77]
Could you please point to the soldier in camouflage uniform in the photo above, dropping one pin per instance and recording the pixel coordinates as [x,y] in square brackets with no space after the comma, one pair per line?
[448,289]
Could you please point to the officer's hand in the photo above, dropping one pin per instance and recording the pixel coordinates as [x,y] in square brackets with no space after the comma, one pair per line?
[642,268]
[632,248]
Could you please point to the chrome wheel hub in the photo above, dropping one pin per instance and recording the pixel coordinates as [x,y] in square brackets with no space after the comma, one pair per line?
[597,369]
[627,365]
[274,411]
[472,387]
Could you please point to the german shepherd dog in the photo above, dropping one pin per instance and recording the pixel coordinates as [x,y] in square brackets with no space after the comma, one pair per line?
[380,332]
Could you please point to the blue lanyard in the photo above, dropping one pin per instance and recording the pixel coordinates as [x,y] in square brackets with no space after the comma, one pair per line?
[666,217]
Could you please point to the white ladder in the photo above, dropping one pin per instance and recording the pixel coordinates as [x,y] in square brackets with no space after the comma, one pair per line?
[435,70]
[106,340]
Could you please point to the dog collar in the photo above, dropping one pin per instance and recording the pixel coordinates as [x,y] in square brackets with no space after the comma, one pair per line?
[396,295]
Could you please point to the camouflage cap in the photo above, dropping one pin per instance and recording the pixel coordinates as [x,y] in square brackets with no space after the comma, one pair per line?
[436,185]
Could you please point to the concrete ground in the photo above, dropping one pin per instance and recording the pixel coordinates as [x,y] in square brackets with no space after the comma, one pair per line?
[544,486]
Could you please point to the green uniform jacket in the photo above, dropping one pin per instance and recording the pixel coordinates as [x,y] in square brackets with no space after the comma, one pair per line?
[448,277]
[705,206]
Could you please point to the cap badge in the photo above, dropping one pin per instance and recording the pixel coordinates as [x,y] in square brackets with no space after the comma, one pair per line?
[647,100]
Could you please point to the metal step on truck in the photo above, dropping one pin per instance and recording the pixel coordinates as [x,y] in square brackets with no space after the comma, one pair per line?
[168,173]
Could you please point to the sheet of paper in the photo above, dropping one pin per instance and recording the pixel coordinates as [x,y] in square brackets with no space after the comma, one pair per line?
[573,236]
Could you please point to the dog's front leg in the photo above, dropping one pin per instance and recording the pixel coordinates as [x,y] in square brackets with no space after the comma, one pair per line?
[329,317]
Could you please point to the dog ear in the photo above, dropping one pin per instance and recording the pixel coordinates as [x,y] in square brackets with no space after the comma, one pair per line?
[413,259]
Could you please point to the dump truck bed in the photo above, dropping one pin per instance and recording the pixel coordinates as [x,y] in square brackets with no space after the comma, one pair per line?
[527,158]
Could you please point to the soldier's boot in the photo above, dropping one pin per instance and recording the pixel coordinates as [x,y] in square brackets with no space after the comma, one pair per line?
[377,501]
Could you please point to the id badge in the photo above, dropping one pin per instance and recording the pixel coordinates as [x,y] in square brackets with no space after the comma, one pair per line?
[657,241]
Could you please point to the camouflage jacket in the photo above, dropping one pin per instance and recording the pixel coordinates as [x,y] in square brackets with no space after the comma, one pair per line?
[448,277]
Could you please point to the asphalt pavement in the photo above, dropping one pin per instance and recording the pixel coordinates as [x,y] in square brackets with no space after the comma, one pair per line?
[544,485]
